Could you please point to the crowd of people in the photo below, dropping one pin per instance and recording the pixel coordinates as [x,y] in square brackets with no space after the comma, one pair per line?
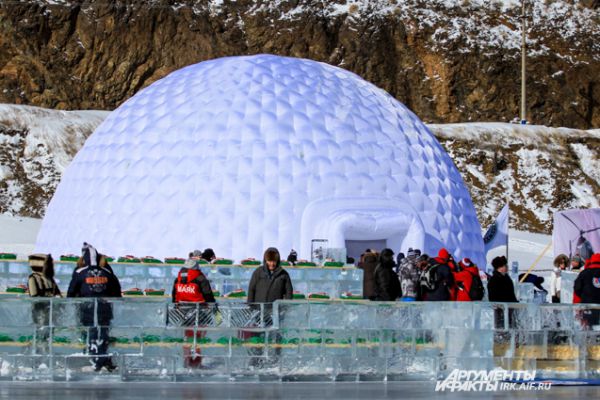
[414,277]
[418,277]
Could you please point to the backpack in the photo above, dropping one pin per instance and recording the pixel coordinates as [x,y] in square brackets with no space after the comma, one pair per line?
[40,286]
[477,290]
[429,279]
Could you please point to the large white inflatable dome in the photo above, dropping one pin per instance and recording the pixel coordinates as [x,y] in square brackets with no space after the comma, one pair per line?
[242,153]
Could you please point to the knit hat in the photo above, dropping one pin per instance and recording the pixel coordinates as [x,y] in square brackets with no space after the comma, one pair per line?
[89,255]
[499,262]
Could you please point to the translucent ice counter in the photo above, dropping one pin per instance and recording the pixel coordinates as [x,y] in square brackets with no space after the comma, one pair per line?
[333,282]
[153,339]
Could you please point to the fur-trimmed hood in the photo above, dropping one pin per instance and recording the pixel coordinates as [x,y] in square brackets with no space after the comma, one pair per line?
[561,257]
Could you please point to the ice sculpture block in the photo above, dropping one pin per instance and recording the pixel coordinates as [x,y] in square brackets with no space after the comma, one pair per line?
[152,339]
[567,281]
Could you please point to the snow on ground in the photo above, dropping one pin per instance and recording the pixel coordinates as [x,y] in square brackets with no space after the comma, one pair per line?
[501,133]
[588,161]
[18,234]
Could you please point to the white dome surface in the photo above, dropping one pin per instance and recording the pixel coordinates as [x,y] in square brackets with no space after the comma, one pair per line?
[243,153]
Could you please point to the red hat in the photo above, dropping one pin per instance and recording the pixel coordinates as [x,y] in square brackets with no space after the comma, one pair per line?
[466,262]
[594,259]
[443,254]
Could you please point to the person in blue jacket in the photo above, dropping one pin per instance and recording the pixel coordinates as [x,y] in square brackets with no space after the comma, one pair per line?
[94,278]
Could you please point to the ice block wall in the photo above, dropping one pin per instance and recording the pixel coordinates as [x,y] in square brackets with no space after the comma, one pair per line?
[335,282]
[153,339]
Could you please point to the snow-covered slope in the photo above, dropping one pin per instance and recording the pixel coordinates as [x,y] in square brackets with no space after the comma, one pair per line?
[539,169]
[36,145]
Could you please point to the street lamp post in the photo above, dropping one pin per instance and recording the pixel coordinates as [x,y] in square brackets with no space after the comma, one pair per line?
[523,51]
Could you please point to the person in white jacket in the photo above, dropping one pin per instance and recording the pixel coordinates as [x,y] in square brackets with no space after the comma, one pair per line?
[560,264]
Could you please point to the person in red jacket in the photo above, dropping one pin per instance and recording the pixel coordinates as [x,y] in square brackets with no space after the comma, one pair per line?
[587,289]
[190,286]
[464,279]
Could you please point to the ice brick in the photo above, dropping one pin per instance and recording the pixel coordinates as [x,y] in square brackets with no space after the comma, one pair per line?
[139,313]
[524,316]
[395,343]
[291,314]
[530,344]
[468,343]
[67,341]
[17,340]
[557,317]
[411,368]
[148,368]
[16,313]
[307,368]
[388,315]
[452,314]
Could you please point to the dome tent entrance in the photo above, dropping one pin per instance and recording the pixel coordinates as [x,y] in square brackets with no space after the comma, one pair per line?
[229,153]
[348,222]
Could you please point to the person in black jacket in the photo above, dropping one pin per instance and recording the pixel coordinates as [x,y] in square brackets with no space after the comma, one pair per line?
[270,282]
[501,289]
[587,290]
[500,286]
[387,285]
[94,278]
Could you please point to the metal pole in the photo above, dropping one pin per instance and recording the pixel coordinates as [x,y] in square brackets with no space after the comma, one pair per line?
[508,228]
[523,51]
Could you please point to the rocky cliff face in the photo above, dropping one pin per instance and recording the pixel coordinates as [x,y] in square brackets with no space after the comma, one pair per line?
[449,61]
